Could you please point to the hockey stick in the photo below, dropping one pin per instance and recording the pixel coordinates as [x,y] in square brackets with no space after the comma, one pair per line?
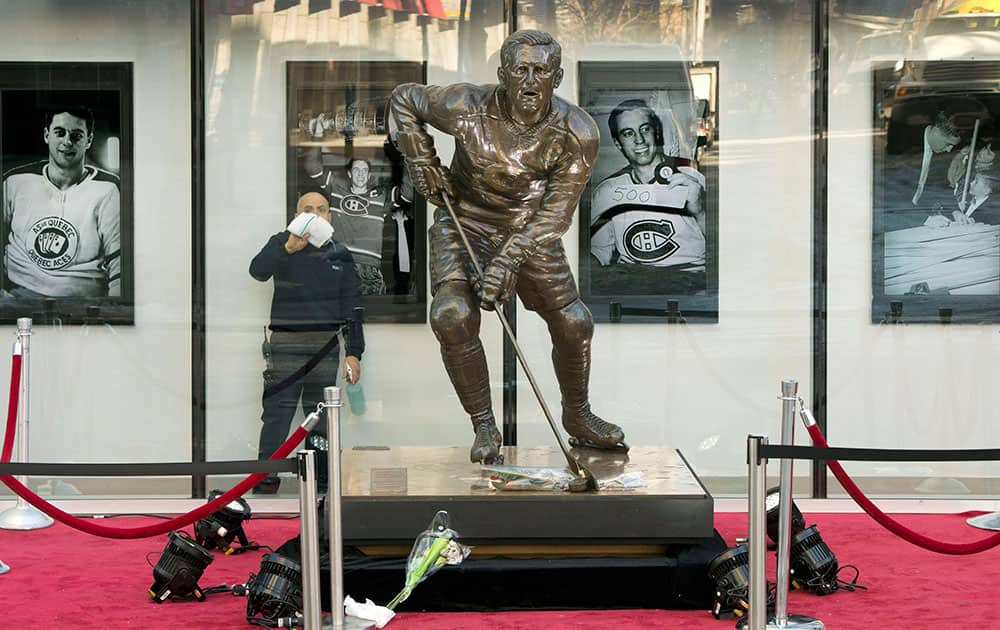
[585,479]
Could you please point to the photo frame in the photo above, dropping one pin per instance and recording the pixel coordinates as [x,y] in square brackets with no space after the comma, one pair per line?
[338,145]
[66,159]
[649,215]
[935,215]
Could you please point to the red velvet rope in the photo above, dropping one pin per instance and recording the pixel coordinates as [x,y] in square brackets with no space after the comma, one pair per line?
[155,529]
[15,393]
[907,534]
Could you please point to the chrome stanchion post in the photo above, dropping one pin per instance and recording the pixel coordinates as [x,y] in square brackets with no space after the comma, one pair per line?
[333,403]
[23,515]
[309,537]
[755,508]
[789,398]
[989,521]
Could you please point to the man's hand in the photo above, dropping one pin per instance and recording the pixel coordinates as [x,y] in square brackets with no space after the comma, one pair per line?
[693,200]
[497,284]
[431,179]
[352,375]
[296,243]
[960,218]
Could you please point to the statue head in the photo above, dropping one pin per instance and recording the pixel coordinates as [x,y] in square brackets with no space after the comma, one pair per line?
[529,74]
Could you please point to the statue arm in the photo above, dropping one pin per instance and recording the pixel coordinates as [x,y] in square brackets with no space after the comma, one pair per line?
[413,106]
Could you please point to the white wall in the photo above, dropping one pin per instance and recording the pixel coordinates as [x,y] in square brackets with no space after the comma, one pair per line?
[122,394]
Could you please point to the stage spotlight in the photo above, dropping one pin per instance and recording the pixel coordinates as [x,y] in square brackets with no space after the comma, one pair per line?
[772,506]
[276,592]
[176,574]
[813,565]
[730,570]
[218,530]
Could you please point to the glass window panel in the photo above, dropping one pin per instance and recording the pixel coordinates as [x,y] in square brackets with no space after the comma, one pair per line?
[103,392]
[911,345]
[254,146]
[699,386]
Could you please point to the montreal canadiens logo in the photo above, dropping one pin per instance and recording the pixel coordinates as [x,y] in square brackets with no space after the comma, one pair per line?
[354,204]
[651,240]
[54,242]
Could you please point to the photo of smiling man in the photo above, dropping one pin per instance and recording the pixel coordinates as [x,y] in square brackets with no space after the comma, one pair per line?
[650,212]
[62,215]
[649,216]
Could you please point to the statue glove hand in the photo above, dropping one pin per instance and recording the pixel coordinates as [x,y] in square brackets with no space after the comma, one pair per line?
[431,179]
[497,284]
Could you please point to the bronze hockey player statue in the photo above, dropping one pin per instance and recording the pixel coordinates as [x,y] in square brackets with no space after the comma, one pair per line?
[522,158]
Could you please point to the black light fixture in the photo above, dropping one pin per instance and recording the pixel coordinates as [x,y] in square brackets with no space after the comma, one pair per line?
[730,570]
[218,530]
[176,574]
[813,565]
[275,592]
[772,502]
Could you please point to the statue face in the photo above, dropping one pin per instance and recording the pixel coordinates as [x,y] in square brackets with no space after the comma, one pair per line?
[529,82]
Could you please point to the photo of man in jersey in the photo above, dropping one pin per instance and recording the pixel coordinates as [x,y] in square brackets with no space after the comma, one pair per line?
[649,218]
[362,207]
[338,145]
[62,215]
[651,212]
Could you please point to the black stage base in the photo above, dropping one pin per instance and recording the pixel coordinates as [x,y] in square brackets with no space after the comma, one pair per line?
[677,579]
[645,547]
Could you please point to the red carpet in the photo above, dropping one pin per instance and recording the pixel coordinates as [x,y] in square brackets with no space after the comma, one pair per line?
[62,579]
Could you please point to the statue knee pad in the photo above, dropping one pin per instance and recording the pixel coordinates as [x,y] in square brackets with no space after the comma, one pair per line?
[454,320]
[573,325]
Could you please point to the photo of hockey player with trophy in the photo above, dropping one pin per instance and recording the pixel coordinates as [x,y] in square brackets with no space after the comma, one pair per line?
[339,146]
[647,214]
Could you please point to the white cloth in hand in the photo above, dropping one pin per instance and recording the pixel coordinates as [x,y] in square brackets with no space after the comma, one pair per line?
[319,229]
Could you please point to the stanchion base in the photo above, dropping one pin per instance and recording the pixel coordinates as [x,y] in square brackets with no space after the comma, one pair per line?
[350,623]
[24,516]
[3,568]
[794,621]
[986,521]
[798,621]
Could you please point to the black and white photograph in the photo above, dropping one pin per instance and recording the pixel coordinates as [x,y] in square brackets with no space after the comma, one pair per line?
[649,216]
[66,160]
[339,146]
[936,221]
